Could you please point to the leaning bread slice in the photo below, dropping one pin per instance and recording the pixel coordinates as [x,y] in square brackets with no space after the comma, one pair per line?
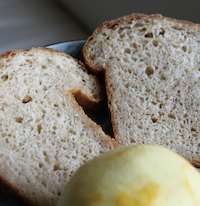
[151,66]
[44,134]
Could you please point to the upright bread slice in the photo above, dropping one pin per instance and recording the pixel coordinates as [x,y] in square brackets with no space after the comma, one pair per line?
[151,66]
[45,135]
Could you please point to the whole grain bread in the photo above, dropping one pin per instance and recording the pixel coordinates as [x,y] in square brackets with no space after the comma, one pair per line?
[44,134]
[151,65]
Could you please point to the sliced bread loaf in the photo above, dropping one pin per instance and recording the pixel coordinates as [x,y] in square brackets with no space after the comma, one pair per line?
[152,74]
[44,134]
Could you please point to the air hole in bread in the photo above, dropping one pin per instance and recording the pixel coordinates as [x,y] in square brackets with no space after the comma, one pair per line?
[127,50]
[4,77]
[74,157]
[138,24]
[43,113]
[134,45]
[140,126]
[45,88]
[120,30]
[154,119]
[185,115]
[39,128]
[194,134]
[27,99]
[58,66]
[162,31]
[155,43]
[148,54]
[172,116]
[72,131]
[12,54]
[29,61]
[55,105]
[56,167]
[92,57]
[54,127]
[160,105]
[130,71]
[44,153]
[142,99]
[19,119]
[44,67]
[40,164]
[184,48]
[143,29]
[149,70]
[148,35]
[127,85]
[193,129]
[122,35]
[163,77]
[132,141]
[8,60]
[147,90]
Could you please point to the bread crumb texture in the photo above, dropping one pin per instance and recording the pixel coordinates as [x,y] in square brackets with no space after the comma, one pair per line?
[45,136]
[152,64]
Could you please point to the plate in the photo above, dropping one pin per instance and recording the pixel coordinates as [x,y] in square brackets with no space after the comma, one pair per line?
[73,48]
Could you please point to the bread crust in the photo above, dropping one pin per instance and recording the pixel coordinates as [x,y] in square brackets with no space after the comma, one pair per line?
[99,69]
[83,99]
[14,191]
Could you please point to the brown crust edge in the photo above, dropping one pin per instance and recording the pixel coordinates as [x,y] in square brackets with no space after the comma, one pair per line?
[16,193]
[196,163]
[99,70]
[83,99]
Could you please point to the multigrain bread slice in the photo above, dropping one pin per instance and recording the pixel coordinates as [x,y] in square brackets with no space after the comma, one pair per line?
[44,134]
[152,73]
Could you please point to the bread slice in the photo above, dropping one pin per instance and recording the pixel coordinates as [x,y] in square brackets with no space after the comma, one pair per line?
[44,134]
[152,74]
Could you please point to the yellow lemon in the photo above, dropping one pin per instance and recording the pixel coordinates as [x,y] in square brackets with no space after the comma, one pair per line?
[143,175]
